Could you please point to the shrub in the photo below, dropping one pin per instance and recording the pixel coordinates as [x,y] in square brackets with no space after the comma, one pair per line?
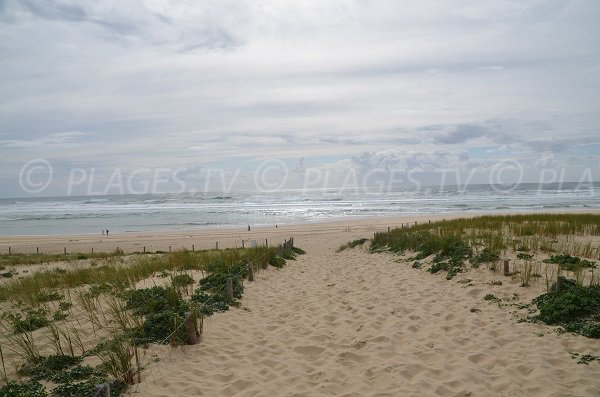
[182,280]
[25,389]
[575,307]
[486,255]
[34,319]
[570,263]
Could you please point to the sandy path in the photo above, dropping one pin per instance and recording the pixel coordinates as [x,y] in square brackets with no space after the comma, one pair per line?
[359,324]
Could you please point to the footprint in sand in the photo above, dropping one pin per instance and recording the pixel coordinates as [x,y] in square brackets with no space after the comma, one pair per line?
[309,350]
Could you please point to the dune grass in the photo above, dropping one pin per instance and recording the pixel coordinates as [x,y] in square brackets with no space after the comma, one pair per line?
[573,303]
[16,259]
[107,297]
[532,233]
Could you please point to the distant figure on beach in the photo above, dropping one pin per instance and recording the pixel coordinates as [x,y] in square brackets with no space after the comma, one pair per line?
[248,227]
[275,226]
[107,232]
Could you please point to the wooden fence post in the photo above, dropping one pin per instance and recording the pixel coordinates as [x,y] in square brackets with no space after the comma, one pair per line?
[191,329]
[506,268]
[92,250]
[65,250]
[193,248]
[267,243]
[37,250]
[102,390]
[169,248]
[250,271]
[217,245]
[9,250]
[229,288]
[243,244]
[144,249]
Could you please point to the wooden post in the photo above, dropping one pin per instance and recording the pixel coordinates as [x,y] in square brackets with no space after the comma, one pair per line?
[169,248]
[267,243]
[193,248]
[37,250]
[9,251]
[389,227]
[191,329]
[560,281]
[65,250]
[506,268]
[243,244]
[144,249]
[250,271]
[415,223]
[102,390]
[430,221]
[229,288]
[92,250]
[217,245]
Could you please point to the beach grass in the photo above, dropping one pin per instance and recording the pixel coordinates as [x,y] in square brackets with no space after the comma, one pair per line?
[572,298]
[124,316]
[16,259]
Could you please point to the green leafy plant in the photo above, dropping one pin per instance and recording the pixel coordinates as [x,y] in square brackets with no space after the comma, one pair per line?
[30,320]
[574,307]
[23,389]
[570,263]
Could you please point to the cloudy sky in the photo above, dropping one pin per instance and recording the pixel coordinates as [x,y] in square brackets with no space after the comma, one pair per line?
[201,85]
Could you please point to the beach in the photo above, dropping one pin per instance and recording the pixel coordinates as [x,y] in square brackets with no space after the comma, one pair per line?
[353,323]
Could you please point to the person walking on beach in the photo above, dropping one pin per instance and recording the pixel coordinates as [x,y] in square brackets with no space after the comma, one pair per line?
[248,227]
[107,232]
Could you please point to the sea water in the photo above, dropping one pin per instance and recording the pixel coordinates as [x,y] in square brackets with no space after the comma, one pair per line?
[138,213]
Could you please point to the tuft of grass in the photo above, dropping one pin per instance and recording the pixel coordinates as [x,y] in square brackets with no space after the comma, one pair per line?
[352,244]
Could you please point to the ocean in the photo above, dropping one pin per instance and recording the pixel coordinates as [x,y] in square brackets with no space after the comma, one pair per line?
[138,213]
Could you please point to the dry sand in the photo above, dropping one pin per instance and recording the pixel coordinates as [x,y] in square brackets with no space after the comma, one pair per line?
[359,324]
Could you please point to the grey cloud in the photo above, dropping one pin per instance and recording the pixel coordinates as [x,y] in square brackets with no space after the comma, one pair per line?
[44,9]
[462,133]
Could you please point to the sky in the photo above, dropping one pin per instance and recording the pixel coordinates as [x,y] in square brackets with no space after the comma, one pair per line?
[115,96]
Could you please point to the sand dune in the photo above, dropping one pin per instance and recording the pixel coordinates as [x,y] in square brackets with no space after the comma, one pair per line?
[360,324]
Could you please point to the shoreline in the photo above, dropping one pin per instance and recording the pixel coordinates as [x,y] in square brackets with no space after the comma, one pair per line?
[234,237]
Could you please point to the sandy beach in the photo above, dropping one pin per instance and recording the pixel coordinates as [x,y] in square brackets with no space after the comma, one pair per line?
[356,324]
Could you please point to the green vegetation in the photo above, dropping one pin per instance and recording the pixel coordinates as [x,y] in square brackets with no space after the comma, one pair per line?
[352,244]
[15,259]
[24,389]
[574,307]
[181,280]
[570,263]
[584,359]
[530,232]
[108,297]
[485,256]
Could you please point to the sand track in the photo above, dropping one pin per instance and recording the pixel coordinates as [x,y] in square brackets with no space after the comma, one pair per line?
[359,324]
